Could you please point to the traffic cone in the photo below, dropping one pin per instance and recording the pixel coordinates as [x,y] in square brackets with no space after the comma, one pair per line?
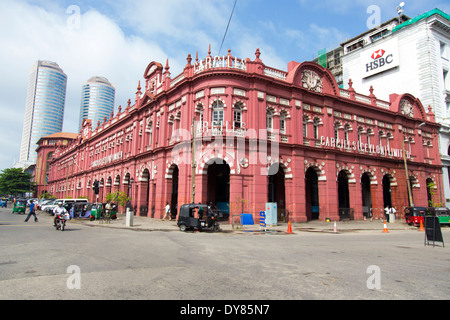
[385,230]
[289,230]
[421,226]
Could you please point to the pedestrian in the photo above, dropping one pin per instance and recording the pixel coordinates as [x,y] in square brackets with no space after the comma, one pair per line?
[32,212]
[387,210]
[167,212]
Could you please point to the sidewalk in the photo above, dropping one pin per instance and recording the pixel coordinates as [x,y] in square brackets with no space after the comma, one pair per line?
[152,224]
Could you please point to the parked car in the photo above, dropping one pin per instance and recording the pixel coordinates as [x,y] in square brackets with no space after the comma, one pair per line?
[43,202]
[49,206]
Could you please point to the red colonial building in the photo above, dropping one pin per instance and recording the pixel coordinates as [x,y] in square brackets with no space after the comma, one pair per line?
[238,134]
[46,146]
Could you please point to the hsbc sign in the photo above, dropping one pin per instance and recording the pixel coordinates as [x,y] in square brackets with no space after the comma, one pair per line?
[381,58]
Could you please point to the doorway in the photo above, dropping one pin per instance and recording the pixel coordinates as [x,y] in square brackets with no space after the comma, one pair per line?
[276,189]
[312,194]
[218,194]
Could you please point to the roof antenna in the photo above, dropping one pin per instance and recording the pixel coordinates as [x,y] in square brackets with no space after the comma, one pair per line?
[226,30]
[400,11]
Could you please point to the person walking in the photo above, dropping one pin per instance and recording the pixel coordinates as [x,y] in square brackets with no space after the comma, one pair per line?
[32,212]
[167,212]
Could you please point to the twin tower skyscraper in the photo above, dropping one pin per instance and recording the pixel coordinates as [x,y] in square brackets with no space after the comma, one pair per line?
[45,103]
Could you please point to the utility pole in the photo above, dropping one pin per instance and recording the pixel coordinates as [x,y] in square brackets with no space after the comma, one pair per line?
[407,175]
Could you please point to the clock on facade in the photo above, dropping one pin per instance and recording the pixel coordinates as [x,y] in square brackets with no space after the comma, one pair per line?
[407,108]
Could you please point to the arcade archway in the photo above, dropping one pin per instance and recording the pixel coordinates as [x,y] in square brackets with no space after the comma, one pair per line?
[218,187]
[366,195]
[312,194]
[276,189]
[343,196]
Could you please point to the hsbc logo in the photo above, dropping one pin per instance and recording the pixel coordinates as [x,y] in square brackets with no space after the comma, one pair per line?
[379,60]
[378,54]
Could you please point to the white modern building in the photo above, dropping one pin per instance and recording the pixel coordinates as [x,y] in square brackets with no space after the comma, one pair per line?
[44,110]
[409,57]
[97,101]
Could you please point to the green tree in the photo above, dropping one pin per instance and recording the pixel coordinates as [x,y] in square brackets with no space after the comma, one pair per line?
[14,181]
[120,198]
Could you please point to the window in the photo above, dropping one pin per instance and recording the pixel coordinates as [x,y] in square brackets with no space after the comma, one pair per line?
[217,115]
[379,35]
[149,130]
[380,135]
[346,132]
[283,122]
[360,133]
[369,133]
[355,46]
[269,120]
[305,126]
[237,116]
[443,50]
[316,128]
[445,73]
[199,110]
[389,137]
[336,130]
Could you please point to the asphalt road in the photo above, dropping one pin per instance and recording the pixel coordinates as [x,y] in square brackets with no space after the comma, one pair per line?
[38,262]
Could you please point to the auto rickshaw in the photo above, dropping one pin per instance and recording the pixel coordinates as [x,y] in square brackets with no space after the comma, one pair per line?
[197,216]
[3,203]
[414,215]
[443,214]
[99,211]
[19,206]
[96,211]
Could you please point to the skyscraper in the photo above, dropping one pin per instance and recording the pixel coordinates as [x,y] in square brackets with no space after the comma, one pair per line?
[97,100]
[44,110]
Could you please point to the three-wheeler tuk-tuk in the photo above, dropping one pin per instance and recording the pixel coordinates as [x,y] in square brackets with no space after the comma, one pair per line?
[19,206]
[414,215]
[3,202]
[442,213]
[101,211]
[197,216]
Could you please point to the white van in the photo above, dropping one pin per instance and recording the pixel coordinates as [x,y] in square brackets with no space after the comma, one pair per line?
[63,201]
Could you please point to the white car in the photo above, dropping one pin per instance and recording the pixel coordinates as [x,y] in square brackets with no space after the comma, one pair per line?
[49,206]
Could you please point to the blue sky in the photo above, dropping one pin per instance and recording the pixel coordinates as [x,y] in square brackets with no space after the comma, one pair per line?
[117,39]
